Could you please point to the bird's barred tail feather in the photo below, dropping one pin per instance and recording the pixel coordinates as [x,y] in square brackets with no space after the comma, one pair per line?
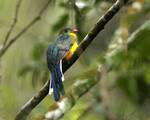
[56,85]
[53,85]
[60,78]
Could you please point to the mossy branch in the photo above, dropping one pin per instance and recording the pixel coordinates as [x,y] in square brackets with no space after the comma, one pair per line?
[99,26]
[78,89]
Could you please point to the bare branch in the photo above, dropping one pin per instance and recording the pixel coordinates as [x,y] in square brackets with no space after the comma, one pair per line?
[15,19]
[67,64]
[25,29]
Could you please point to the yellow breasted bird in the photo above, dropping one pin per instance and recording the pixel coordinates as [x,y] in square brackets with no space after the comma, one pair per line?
[63,47]
[74,46]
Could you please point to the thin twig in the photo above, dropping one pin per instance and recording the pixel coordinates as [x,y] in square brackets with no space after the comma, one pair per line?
[67,64]
[25,29]
[75,14]
[15,19]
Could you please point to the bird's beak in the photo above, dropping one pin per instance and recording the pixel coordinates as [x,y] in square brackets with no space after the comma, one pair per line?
[75,30]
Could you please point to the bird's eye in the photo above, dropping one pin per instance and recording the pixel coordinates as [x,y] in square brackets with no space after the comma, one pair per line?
[66,31]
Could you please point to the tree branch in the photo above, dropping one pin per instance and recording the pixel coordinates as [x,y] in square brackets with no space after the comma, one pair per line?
[99,26]
[25,29]
[15,19]
[78,89]
[27,108]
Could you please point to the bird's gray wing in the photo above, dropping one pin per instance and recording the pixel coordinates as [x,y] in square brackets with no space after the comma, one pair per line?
[64,40]
[62,51]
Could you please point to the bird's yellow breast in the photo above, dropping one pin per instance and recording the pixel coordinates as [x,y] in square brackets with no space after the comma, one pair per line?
[74,46]
[73,36]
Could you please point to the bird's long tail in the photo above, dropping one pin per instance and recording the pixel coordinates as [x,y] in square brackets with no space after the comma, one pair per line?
[56,83]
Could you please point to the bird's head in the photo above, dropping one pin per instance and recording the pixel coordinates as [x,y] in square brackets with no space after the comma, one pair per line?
[73,35]
[71,32]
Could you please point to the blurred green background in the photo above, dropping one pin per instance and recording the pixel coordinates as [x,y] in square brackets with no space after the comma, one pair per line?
[124,93]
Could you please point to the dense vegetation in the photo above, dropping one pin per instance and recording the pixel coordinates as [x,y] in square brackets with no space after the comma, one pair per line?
[120,52]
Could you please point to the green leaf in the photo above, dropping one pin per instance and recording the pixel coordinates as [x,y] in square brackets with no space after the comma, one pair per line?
[62,21]
[25,70]
[96,2]
[131,67]
[147,7]
[38,51]
[140,40]
[128,84]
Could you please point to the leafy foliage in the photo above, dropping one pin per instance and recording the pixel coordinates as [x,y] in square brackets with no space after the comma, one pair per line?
[60,23]
[130,67]
[128,59]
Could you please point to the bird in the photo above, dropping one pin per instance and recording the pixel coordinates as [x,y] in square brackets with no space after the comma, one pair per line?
[62,48]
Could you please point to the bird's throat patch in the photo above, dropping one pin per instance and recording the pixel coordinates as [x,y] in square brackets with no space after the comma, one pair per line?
[73,36]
